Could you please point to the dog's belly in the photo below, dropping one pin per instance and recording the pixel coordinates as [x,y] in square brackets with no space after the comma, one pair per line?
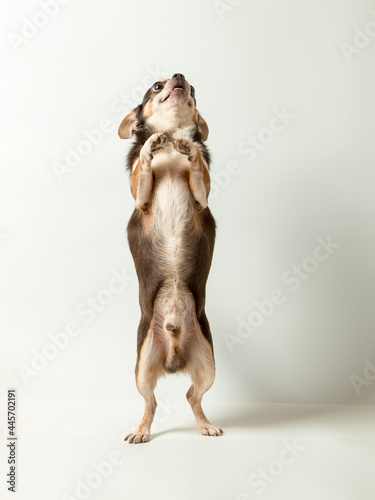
[172,207]
[176,256]
[174,242]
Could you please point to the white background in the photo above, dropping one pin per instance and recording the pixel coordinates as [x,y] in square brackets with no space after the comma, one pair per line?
[62,239]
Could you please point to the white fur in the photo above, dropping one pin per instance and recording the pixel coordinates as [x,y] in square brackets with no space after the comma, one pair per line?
[171,206]
[184,132]
[177,113]
[172,211]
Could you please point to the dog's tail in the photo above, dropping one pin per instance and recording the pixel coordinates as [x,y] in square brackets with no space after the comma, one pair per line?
[179,305]
[175,360]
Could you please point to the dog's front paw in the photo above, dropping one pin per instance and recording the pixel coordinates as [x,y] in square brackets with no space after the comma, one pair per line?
[158,141]
[153,144]
[138,436]
[210,430]
[186,147]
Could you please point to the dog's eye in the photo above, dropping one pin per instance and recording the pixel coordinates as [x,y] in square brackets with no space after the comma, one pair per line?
[192,91]
[157,87]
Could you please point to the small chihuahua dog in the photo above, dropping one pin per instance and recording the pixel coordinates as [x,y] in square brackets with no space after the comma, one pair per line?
[171,236]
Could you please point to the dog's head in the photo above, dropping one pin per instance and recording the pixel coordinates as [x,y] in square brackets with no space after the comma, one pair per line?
[167,106]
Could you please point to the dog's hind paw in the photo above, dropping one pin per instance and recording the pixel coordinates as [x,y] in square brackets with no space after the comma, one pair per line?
[137,436]
[210,430]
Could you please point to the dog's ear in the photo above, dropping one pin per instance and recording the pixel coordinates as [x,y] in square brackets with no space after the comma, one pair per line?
[129,124]
[202,127]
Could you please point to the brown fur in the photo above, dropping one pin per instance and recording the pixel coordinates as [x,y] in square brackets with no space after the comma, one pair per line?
[171,236]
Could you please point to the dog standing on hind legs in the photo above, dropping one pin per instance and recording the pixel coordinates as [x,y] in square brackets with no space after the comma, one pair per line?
[171,236]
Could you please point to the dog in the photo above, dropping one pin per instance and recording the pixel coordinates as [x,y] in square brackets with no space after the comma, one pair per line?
[171,236]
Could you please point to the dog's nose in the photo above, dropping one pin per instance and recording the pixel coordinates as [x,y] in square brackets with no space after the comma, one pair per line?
[179,76]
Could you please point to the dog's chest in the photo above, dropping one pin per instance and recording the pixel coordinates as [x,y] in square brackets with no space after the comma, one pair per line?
[168,159]
[171,205]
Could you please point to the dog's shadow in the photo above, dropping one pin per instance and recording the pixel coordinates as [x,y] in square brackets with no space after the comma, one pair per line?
[262,416]
[267,415]
[186,430]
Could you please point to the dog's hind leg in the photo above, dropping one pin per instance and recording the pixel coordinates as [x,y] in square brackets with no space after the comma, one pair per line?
[202,371]
[147,374]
